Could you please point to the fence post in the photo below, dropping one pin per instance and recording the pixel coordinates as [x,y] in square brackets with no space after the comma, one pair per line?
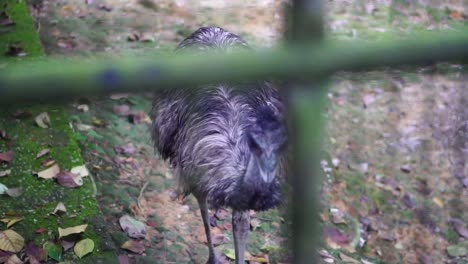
[306,101]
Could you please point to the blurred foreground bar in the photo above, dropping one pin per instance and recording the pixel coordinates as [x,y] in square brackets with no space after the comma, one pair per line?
[305,103]
[69,77]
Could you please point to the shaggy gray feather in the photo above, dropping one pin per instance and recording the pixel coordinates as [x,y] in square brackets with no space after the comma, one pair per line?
[203,132]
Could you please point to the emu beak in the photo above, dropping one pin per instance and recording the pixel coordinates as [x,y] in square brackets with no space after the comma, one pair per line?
[268,171]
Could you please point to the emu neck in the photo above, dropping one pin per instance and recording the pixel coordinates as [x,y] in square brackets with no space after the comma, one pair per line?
[252,172]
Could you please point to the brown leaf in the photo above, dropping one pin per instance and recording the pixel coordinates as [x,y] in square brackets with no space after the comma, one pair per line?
[5,173]
[127,149]
[69,180]
[42,153]
[11,241]
[14,192]
[151,223]
[67,245]
[347,259]
[43,120]
[221,214]
[4,255]
[459,226]
[48,162]
[99,123]
[7,156]
[4,135]
[35,254]
[134,37]
[83,107]
[134,246]
[13,259]
[11,220]
[66,43]
[133,227]
[254,223]
[119,96]
[49,173]
[22,113]
[122,110]
[336,236]
[40,230]
[139,117]
[5,20]
[104,8]
[64,232]
[60,209]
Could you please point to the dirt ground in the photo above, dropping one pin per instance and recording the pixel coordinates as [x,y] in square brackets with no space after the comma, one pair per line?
[394,157]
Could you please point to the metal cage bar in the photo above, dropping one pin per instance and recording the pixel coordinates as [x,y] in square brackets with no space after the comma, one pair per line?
[305,105]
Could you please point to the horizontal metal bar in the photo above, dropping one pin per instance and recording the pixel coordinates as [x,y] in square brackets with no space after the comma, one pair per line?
[71,77]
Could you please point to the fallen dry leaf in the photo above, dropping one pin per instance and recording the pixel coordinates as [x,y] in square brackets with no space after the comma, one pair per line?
[127,149]
[254,223]
[42,153]
[83,247]
[133,227]
[4,135]
[336,238]
[40,230]
[60,209]
[5,173]
[66,244]
[47,162]
[49,173]
[14,192]
[5,20]
[139,117]
[69,180]
[80,170]
[7,156]
[348,259]
[11,220]
[22,113]
[83,108]
[119,96]
[13,259]
[122,110]
[11,241]
[43,120]
[438,202]
[35,254]
[64,232]
[134,246]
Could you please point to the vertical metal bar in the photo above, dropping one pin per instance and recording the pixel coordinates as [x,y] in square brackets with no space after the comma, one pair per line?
[306,21]
[306,101]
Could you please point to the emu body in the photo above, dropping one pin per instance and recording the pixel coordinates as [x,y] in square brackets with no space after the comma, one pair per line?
[224,144]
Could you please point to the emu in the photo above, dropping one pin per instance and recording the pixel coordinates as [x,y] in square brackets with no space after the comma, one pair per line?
[224,144]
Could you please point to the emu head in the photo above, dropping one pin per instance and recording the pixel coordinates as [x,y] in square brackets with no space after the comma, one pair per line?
[267,141]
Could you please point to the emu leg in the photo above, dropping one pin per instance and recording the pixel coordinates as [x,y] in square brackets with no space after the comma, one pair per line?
[240,226]
[204,213]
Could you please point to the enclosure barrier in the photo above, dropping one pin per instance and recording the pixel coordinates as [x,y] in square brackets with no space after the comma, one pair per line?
[307,57]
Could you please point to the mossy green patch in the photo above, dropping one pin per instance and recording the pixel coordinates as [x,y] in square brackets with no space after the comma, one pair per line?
[22,32]
[26,139]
